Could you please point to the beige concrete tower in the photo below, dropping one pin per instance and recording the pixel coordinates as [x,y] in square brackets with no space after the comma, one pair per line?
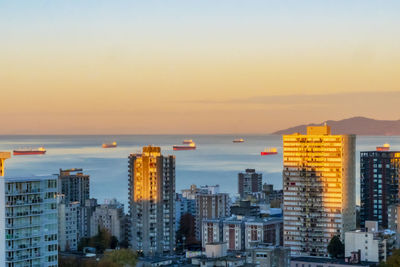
[319,189]
[152,202]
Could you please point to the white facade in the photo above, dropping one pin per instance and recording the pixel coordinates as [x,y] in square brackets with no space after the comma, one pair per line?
[68,226]
[216,250]
[372,243]
[28,221]
[242,233]
[211,231]
[253,234]
[232,234]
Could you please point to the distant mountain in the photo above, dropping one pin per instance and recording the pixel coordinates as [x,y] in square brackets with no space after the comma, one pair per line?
[355,125]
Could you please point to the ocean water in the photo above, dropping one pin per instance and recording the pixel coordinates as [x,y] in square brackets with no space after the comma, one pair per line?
[217,160]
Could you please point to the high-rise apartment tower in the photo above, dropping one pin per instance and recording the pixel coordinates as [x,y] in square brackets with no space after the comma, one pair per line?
[152,201]
[28,220]
[379,175]
[319,189]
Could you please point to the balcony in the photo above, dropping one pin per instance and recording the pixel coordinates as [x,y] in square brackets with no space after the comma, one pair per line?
[24,203]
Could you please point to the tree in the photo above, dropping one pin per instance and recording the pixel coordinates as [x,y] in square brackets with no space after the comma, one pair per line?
[393,260]
[336,247]
[101,241]
[119,258]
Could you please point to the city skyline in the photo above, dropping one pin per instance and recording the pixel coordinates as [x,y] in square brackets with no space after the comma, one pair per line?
[191,67]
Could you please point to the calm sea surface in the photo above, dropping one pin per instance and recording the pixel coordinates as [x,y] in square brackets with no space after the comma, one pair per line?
[215,161]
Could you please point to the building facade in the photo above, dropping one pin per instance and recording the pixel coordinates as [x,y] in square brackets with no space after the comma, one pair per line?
[270,256]
[374,245]
[245,208]
[243,233]
[28,221]
[379,175]
[394,221]
[152,201]
[249,182]
[210,206]
[319,189]
[67,224]
[109,216]
[75,187]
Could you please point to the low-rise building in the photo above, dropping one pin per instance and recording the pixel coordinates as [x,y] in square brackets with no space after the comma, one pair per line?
[242,233]
[245,208]
[212,231]
[233,232]
[263,231]
[216,254]
[109,216]
[269,256]
[374,245]
[327,262]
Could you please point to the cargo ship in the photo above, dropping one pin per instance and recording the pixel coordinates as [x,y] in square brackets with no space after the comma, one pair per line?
[187,141]
[191,146]
[113,144]
[238,140]
[269,151]
[39,151]
[385,147]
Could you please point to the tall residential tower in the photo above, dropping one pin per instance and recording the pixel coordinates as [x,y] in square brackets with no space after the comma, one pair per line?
[152,201]
[28,220]
[379,174]
[319,189]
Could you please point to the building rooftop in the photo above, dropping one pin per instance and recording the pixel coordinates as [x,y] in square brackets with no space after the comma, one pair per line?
[333,261]
[31,178]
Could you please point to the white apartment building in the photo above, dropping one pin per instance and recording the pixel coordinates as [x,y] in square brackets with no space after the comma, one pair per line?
[243,233]
[28,222]
[373,244]
[232,233]
[212,231]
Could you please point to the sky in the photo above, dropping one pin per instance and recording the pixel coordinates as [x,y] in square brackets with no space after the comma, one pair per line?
[201,67]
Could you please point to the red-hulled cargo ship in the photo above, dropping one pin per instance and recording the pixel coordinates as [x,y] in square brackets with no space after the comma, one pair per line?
[269,151]
[39,151]
[191,146]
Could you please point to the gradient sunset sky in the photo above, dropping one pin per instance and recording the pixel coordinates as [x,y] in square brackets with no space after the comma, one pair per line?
[205,66]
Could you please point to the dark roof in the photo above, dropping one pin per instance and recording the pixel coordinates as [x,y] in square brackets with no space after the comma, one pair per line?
[333,261]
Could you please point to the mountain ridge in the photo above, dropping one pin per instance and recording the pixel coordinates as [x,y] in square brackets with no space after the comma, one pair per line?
[355,125]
